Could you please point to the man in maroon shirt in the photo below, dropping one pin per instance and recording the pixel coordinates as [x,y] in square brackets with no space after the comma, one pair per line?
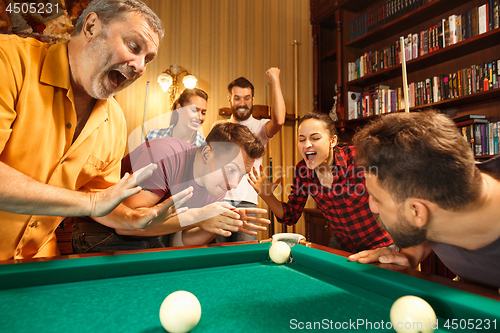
[201,175]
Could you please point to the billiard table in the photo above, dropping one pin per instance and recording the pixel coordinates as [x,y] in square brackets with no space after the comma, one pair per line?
[239,288]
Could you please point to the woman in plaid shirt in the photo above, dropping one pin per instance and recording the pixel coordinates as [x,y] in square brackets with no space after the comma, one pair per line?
[328,174]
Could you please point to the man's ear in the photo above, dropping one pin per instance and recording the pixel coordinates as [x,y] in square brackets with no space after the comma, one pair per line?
[92,26]
[205,155]
[417,212]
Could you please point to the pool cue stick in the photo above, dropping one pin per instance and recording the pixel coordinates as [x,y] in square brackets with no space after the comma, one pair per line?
[271,214]
[270,154]
[143,138]
[144,116]
[295,107]
[225,179]
[226,182]
[296,98]
[403,68]
[283,174]
[227,185]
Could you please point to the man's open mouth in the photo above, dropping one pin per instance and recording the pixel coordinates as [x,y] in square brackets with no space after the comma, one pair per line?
[116,78]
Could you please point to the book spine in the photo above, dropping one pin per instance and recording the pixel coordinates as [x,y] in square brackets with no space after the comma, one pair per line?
[496,134]
[415,46]
[426,41]
[483,23]
[446,92]
[490,139]
[446,32]
[435,89]
[498,73]
[496,18]
[478,146]
[459,28]
[453,29]
[490,75]
[484,139]
[475,22]
[459,83]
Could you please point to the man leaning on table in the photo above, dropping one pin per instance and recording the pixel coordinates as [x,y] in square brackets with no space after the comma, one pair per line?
[430,195]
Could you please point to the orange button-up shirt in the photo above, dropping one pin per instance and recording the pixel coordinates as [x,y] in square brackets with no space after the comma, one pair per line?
[37,125]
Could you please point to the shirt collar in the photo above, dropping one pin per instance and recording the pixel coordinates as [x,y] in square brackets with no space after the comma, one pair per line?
[340,158]
[339,163]
[55,68]
[56,72]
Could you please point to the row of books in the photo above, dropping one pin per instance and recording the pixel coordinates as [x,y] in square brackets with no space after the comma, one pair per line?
[464,82]
[376,100]
[447,31]
[481,135]
[382,99]
[382,14]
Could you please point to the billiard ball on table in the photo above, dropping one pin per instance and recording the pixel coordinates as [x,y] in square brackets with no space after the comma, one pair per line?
[412,314]
[279,252]
[180,312]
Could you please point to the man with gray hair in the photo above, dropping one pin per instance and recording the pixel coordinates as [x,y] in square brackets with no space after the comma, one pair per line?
[62,135]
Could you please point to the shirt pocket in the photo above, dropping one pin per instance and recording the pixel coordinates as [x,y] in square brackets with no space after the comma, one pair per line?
[93,166]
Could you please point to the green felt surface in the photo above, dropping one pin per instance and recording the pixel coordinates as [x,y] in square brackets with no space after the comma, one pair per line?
[259,297]
[255,295]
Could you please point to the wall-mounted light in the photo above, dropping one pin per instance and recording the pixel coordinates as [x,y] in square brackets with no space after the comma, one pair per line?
[169,80]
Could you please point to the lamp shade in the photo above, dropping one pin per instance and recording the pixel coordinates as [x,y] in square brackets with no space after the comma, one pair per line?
[165,81]
[189,81]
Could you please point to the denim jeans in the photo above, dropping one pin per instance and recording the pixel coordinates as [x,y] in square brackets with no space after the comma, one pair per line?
[93,242]
[237,236]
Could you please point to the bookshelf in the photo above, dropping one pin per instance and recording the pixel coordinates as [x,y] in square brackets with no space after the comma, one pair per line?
[335,47]
[476,50]
[327,59]
[420,15]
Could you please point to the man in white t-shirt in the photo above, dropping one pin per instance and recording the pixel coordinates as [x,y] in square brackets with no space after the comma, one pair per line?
[241,98]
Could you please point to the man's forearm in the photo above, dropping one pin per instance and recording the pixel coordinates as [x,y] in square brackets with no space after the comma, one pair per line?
[417,254]
[197,236]
[21,194]
[278,111]
[168,226]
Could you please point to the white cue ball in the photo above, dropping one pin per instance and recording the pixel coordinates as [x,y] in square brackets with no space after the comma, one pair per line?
[412,314]
[279,252]
[180,312]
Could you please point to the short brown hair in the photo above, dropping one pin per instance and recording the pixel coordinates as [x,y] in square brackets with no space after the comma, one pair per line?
[420,155]
[225,131]
[240,82]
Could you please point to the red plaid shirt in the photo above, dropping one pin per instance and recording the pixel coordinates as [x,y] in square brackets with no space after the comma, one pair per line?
[344,205]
